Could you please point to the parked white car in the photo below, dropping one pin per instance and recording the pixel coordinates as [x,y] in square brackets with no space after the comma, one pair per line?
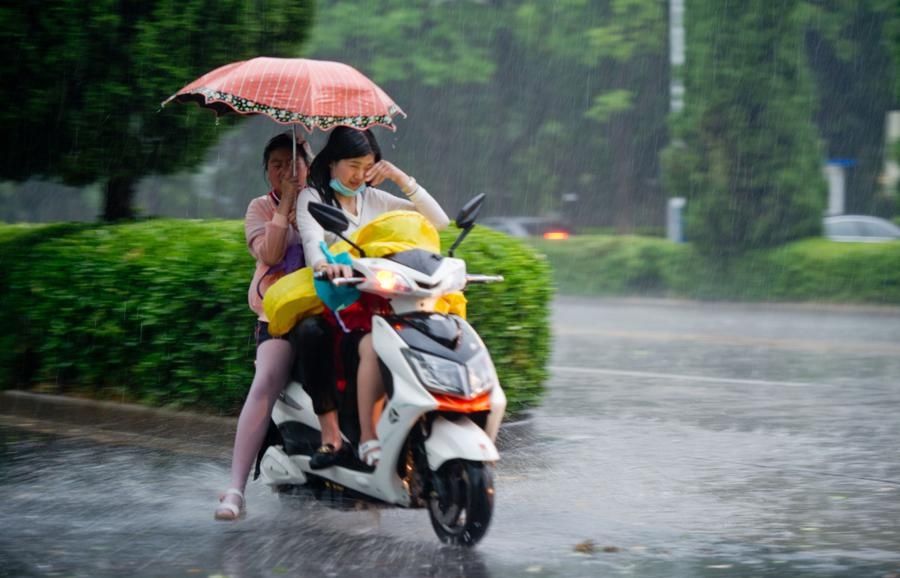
[860,229]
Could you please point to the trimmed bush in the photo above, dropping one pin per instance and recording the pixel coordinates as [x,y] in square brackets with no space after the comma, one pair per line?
[611,265]
[149,312]
[512,317]
[156,312]
[822,270]
[807,270]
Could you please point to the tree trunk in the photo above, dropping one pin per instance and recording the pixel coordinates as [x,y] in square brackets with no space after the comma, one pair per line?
[119,198]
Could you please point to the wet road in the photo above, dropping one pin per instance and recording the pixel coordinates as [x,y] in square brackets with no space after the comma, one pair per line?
[675,440]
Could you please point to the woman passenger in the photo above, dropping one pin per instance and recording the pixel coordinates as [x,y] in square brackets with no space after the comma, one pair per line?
[270,227]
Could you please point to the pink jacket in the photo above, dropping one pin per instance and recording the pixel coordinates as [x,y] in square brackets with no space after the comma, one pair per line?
[268,235]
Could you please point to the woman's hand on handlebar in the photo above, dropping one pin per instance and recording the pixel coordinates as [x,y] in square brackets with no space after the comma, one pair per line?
[333,270]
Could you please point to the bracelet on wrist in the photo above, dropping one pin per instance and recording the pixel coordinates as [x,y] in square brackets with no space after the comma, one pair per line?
[409,188]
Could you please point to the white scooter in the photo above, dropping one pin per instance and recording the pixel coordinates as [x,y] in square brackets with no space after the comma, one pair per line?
[444,402]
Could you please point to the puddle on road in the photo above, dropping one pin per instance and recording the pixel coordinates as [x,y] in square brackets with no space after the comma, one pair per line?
[625,486]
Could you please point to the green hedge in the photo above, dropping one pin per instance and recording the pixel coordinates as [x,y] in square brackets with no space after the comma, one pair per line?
[814,270]
[512,317]
[156,312]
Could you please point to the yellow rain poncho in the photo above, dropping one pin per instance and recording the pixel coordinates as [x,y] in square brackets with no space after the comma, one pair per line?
[293,297]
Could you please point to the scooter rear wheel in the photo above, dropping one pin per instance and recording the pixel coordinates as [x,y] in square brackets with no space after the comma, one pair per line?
[461,502]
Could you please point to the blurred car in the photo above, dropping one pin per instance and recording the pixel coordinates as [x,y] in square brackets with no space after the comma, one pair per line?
[529,227]
[860,229]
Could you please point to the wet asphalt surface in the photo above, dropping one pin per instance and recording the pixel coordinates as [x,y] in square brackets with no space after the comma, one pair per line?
[676,439]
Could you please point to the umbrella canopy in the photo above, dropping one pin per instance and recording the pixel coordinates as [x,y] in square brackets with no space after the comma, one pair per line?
[313,93]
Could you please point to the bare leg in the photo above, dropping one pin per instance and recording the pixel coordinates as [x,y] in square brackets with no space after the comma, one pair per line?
[273,359]
[369,388]
[331,431]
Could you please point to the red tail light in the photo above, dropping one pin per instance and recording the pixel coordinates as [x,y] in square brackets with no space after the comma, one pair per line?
[556,235]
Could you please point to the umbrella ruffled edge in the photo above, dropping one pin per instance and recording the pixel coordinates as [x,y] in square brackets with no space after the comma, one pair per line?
[283,116]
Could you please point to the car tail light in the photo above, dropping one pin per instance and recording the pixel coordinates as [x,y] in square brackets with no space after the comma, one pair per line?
[556,235]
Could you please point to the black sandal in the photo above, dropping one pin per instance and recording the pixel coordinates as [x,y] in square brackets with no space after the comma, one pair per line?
[326,456]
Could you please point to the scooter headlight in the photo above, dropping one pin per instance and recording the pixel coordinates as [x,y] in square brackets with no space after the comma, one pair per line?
[447,376]
[482,375]
[437,373]
[388,280]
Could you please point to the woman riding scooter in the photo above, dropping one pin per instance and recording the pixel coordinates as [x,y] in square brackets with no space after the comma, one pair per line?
[345,174]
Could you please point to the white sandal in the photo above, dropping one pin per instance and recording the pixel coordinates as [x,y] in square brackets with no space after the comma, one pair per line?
[227,511]
[370,452]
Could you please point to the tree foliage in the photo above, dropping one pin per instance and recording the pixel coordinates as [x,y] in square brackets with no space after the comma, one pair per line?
[83,82]
[746,154]
[525,100]
[749,81]
[850,54]
[892,35]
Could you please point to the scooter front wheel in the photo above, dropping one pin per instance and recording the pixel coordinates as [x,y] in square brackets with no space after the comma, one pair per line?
[461,501]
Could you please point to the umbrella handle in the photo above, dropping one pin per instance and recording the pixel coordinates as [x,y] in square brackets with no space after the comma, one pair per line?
[294,147]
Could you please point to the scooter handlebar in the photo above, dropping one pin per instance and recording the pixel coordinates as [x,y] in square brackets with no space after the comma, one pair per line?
[338,281]
[472,279]
[342,281]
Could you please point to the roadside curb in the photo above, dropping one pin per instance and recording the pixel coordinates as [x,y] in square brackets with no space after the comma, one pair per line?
[128,423]
[113,422]
[17,397]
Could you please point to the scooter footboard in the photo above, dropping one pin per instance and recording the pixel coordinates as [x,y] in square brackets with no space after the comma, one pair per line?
[459,439]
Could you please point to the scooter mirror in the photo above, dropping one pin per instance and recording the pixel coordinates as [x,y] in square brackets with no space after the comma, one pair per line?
[331,218]
[469,213]
[465,220]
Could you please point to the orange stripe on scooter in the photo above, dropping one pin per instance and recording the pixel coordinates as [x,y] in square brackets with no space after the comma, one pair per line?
[455,404]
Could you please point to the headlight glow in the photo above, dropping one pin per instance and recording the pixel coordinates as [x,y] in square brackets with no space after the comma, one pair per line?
[390,281]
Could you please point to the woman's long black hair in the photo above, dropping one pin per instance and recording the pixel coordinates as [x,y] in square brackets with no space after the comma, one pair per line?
[343,143]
